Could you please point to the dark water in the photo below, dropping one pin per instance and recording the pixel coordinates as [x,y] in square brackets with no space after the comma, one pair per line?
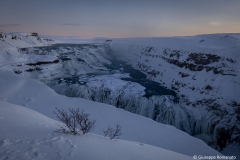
[152,88]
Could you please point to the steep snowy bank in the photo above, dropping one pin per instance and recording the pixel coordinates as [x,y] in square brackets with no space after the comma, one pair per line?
[26,134]
[37,96]
[66,60]
[127,95]
[203,70]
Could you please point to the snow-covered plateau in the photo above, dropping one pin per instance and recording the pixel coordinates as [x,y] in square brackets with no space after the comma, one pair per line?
[191,83]
[203,70]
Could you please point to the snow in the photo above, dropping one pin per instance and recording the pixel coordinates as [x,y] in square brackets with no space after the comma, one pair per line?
[27,134]
[126,95]
[75,39]
[142,54]
[162,55]
[227,46]
[15,59]
[35,95]
[96,86]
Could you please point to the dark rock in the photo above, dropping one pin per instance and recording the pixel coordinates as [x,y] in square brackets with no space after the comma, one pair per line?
[18,72]
[208,87]
[43,62]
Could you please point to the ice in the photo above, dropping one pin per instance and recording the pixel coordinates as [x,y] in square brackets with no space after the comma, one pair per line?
[128,96]
[209,100]
[134,127]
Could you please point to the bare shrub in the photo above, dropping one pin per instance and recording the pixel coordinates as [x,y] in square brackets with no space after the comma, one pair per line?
[86,125]
[113,133]
[75,121]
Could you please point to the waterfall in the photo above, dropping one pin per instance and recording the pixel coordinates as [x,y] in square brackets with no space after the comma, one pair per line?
[130,97]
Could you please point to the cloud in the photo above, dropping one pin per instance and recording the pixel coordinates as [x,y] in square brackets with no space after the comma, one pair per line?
[214,23]
[70,24]
[9,25]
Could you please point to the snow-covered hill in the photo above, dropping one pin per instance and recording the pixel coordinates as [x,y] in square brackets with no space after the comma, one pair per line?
[203,71]
[11,42]
[37,96]
[19,55]
[27,134]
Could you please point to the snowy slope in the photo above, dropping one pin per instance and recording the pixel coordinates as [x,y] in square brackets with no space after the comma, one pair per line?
[203,70]
[27,134]
[208,99]
[11,42]
[21,40]
[20,56]
[36,96]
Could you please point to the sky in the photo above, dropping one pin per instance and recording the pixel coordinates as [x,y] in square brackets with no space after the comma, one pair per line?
[120,18]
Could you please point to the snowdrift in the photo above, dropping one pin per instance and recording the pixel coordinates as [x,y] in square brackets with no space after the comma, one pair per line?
[37,96]
[27,134]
